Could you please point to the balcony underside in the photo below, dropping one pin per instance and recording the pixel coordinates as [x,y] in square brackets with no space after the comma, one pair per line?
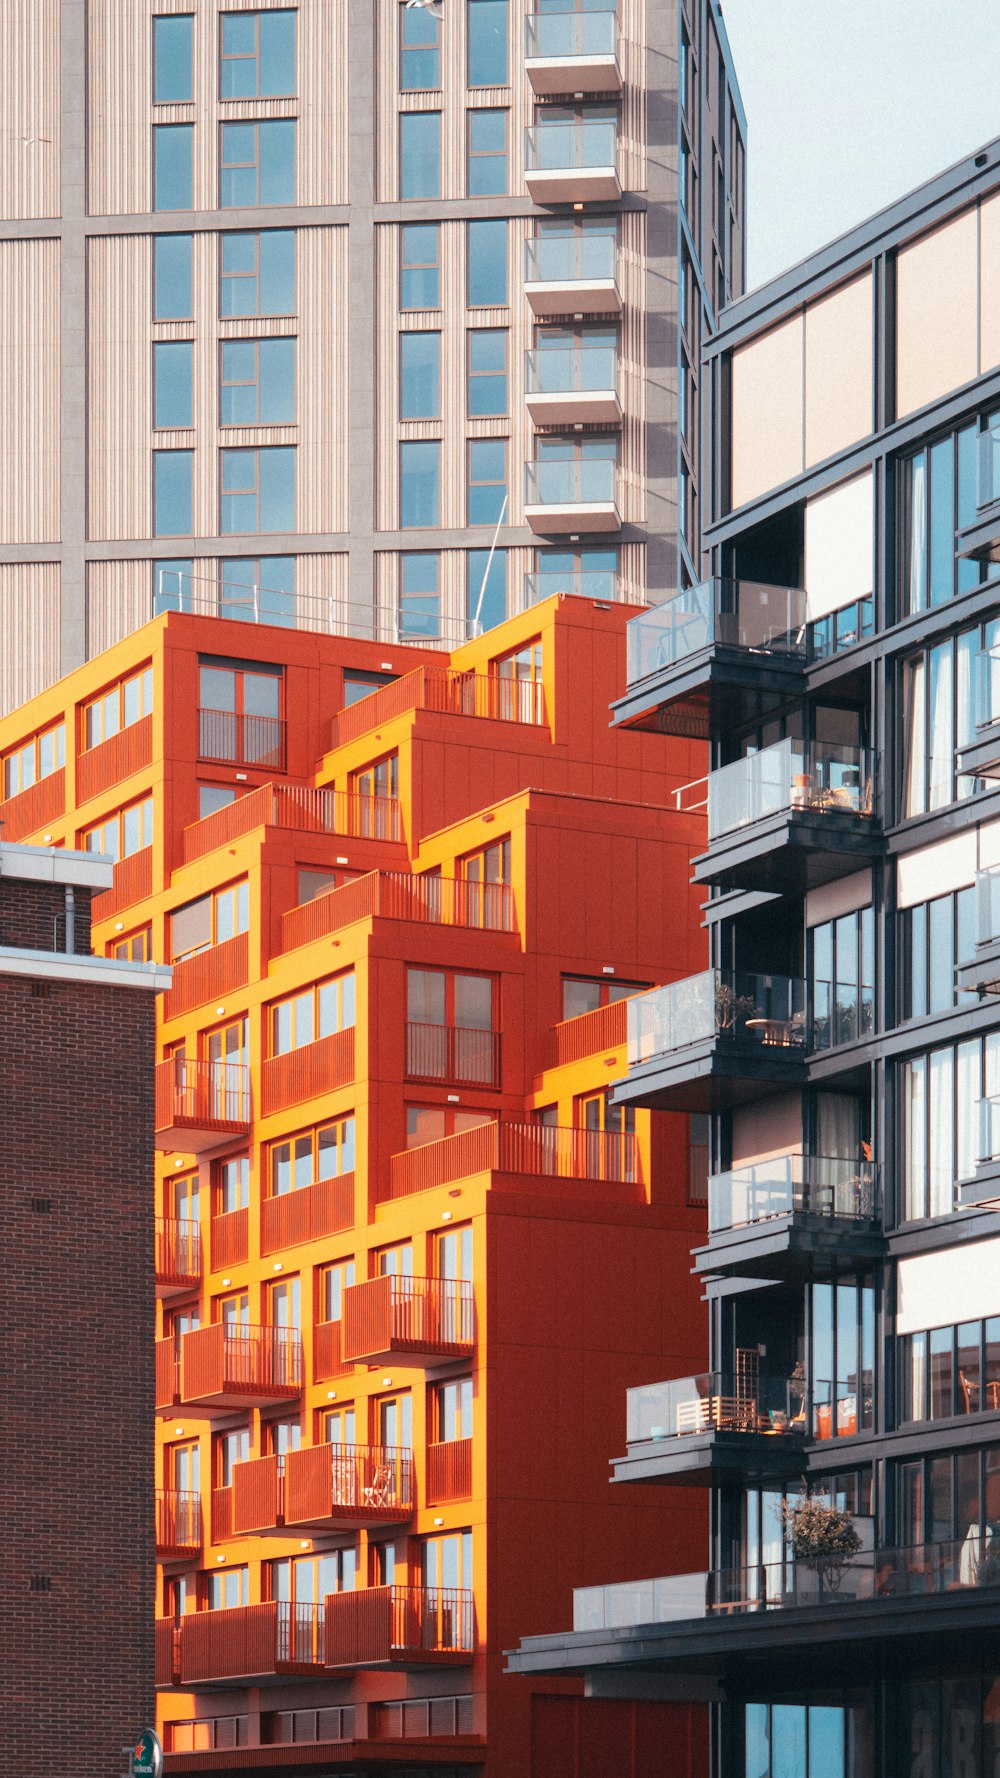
[558,517]
[574,74]
[712,1076]
[705,1459]
[573,296]
[573,185]
[716,688]
[790,1248]
[791,852]
[575,407]
[981,758]
[197,1135]
[983,1188]
[981,540]
[230,1398]
[297,1759]
[982,975]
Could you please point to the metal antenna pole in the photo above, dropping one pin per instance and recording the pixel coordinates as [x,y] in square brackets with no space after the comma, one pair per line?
[489,561]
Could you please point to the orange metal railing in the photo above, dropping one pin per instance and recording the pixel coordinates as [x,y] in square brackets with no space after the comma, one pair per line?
[394,1314]
[165,1657]
[449,1470]
[357,1484]
[130,750]
[208,974]
[249,1640]
[258,1494]
[393,895]
[450,693]
[178,1251]
[325,1208]
[542,1150]
[298,807]
[304,1073]
[202,1095]
[251,1362]
[328,1360]
[592,1033]
[178,1522]
[377,1624]
[35,807]
[167,1372]
[242,739]
[455,1054]
[222,1513]
[133,881]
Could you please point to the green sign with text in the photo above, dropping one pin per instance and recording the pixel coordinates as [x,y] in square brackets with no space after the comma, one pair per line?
[147,1756]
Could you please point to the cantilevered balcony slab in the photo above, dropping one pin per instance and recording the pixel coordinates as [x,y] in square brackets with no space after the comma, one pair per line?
[792,1218]
[424,1320]
[981,975]
[715,1040]
[573,385]
[572,52]
[787,819]
[200,1105]
[571,495]
[575,273]
[569,162]
[697,1431]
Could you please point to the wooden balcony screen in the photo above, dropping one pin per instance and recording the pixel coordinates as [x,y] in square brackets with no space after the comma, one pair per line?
[394,1314]
[395,895]
[325,1208]
[208,975]
[543,1150]
[594,1033]
[133,881]
[449,1471]
[230,1239]
[33,809]
[130,750]
[348,1484]
[257,1495]
[299,808]
[307,1072]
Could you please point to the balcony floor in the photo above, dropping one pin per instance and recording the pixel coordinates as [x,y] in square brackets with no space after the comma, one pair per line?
[572,296]
[574,407]
[705,1459]
[713,1075]
[574,74]
[791,1248]
[791,852]
[556,519]
[573,185]
[196,1136]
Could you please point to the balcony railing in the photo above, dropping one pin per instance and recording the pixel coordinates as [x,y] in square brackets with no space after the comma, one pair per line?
[178,1523]
[449,1471]
[580,147]
[591,1033]
[494,697]
[165,1652]
[725,1005]
[250,1640]
[309,1071]
[571,370]
[455,1054]
[257,1494]
[561,36]
[989,1131]
[730,613]
[575,258]
[199,1100]
[132,882]
[573,481]
[298,808]
[791,775]
[178,1252]
[348,1484]
[100,767]
[229,1238]
[989,464]
[792,1184]
[541,1150]
[229,1363]
[378,1625]
[433,1316]
[327,1349]
[308,1214]
[842,1012]
[241,739]
[715,1402]
[843,628]
[923,1570]
[394,895]
[988,906]
[207,974]
[35,807]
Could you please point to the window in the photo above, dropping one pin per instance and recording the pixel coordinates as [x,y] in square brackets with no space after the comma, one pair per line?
[446,1561]
[589,570]
[420,154]
[942,1139]
[172,278]
[279,1437]
[314,1013]
[571,248]
[213,797]
[490,865]
[394,1419]
[258,273]
[318,882]
[182,1467]
[812,1740]
[451,1027]
[240,712]
[419,376]
[379,779]
[487,40]
[137,948]
[257,382]
[337,1426]
[487,170]
[842,979]
[306,1580]
[486,259]
[843,1357]
[452,1417]
[284,1303]
[949,1370]
[453,1254]
[256,55]
[128,830]
[258,589]
[232,1184]
[952,1497]
[419,266]
[172,166]
[487,379]
[38,758]
[523,664]
[324,1153]
[487,480]
[172,386]
[486,588]
[119,707]
[395,1262]
[937,496]
[172,493]
[939,716]
[936,936]
[172,60]
[230,1448]
[431,1123]
[419,605]
[419,482]
[228,1588]
[258,489]
[419,50]
[581,994]
[210,920]
[333,1281]
[257,164]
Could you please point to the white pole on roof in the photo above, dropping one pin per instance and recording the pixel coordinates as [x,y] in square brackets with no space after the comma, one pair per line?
[489,564]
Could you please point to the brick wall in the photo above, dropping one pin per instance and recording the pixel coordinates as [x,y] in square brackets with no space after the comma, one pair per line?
[76,1350]
[33,916]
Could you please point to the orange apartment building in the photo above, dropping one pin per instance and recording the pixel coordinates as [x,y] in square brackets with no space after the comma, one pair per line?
[408,1259]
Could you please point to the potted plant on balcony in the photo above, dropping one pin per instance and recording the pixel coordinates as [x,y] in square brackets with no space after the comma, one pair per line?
[822,1540]
[731,1008]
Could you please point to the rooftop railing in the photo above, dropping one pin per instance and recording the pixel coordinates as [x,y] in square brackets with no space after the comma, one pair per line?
[792,1184]
[556,35]
[571,370]
[727,1005]
[716,1402]
[733,613]
[570,258]
[256,603]
[791,775]
[555,147]
[493,696]
[394,895]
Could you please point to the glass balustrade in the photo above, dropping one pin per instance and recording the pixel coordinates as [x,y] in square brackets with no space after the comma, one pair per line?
[988,906]
[790,775]
[727,1005]
[560,36]
[567,370]
[553,147]
[570,259]
[731,613]
[716,1402]
[575,481]
[791,1184]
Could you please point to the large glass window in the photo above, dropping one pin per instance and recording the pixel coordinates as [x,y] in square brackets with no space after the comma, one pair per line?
[939,1093]
[258,490]
[173,147]
[419,601]
[487,378]
[258,589]
[419,482]
[123,832]
[172,278]
[172,493]
[419,376]
[210,920]
[942,1499]
[937,492]
[257,382]
[950,1370]
[44,754]
[420,154]
[257,55]
[939,716]
[258,272]
[830,1735]
[590,569]
[842,979]
[119,707]
[257,163]
[172,60]
[452,1417]
[172,383]
[324,1153]
[419,266]
[313,1014]
[935,937]
[842,1352]
[333,1281]
[487,486]
[487,42]
[486,279]
[419,49]
[486,588]
[487,155]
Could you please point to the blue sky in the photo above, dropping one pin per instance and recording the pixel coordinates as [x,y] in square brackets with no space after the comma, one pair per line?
[851,103]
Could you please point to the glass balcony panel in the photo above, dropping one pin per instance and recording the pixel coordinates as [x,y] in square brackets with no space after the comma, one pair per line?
[989,1130]
[732,613]
[562,370]
[791,1184]
[789,775]
[571,482]
[715,1402]
[551,147]
[558,36]
[987,687]
[586,583]
[989,463]
[675,1597]
[723,1004]
[988,906]
[570,259]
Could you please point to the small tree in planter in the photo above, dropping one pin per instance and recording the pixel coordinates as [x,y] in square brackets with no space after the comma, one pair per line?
[731,1009]
[821,1536]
